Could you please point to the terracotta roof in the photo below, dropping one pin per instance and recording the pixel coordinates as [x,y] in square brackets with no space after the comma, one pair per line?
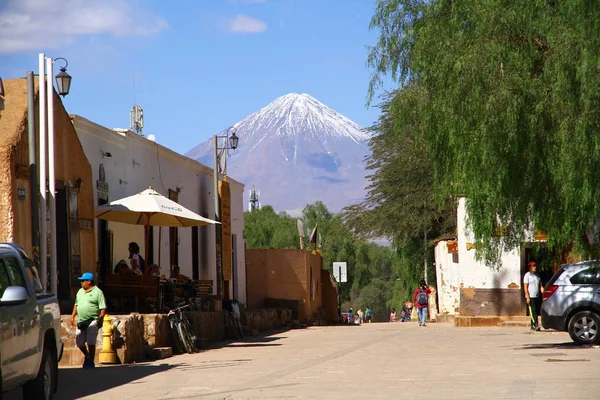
[13,111]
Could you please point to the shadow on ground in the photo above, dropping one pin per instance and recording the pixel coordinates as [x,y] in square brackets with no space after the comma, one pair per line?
[74,383]
[564,346]
[263,340]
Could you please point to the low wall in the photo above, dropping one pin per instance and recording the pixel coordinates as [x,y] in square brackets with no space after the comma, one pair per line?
[266,319]
[135,335]
[491,302]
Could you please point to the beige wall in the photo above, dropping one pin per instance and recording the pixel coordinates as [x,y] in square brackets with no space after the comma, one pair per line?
[285,274]
[138,163]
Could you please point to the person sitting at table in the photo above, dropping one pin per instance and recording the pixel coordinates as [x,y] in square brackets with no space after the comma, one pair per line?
[138,264]
[123,268]
[175,274]
[154,270]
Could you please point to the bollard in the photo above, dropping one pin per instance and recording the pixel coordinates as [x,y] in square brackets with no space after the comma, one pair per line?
[107,354]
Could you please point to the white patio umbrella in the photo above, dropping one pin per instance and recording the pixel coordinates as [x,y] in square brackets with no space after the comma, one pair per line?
[150,208]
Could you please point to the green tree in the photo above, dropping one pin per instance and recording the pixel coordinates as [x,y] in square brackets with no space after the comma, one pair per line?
[510,108]
[373,270]
[268,230]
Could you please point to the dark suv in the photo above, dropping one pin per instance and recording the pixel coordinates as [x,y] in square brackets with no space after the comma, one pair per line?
[572,301]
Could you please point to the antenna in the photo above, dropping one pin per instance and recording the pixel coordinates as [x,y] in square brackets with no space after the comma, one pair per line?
[254,202]
[136,119]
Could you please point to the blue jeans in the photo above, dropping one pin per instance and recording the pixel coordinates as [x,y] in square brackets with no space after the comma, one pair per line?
[422,315]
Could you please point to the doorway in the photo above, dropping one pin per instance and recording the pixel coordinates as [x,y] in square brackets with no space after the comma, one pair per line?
[234,275]
[195,254]
[173,236]
[63,251]
[104,259]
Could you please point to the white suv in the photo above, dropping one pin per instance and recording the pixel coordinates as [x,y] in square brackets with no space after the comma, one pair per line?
[572,302]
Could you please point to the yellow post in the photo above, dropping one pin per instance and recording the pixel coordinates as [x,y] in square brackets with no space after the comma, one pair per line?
[107,354]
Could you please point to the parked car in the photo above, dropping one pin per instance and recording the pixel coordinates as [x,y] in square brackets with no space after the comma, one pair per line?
[572,301]
[29,326]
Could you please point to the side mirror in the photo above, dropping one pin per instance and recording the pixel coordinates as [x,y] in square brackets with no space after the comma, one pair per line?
[14,295]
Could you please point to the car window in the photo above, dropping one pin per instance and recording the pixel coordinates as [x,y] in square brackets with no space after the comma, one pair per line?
[589,276]
[555,277]
[4,279]
[14,271]
[34,276]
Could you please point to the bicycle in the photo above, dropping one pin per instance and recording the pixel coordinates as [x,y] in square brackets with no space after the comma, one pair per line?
[180,324]
[232,320]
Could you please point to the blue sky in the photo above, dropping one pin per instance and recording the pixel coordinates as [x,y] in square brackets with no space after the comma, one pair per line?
[196,67]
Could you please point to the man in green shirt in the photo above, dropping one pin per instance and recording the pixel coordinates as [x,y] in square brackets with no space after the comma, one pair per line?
[90,308]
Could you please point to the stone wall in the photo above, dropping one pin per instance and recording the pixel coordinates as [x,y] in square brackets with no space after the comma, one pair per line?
[135,335]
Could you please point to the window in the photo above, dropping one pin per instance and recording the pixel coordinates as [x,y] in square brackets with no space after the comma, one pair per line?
[590,276]
[34,276]
[4,279]
[14,272]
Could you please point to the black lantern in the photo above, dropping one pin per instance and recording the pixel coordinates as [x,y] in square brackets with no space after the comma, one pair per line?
[233,141]
[63,82]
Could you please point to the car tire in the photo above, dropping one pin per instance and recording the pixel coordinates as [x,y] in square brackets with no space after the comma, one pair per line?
[42,387]
[584,328]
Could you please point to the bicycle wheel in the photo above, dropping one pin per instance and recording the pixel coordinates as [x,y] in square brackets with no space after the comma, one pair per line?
[233,326]
[189,334]
[175,335]
[238,325]
[183,337]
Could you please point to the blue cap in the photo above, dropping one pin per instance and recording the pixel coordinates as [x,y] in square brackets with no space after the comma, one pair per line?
[88,276]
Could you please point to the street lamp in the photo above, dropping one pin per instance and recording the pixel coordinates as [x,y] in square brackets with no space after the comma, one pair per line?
[230,142]
[46,107]
[63,80]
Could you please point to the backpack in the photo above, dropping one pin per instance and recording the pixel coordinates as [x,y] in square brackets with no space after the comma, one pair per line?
[422,298]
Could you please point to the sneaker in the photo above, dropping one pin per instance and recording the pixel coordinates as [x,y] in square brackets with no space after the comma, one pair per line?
[424,325]
[420,324]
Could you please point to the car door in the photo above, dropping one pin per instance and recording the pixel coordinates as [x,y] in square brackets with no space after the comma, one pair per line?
[29,318]
[12,339]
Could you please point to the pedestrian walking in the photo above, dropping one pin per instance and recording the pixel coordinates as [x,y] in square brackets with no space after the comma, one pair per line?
[421,299]
[90,308]
[361,315]
[368,315]
[532,286]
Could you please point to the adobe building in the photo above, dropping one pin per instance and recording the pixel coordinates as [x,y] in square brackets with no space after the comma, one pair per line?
[468,287]
[76,243]
[293,279]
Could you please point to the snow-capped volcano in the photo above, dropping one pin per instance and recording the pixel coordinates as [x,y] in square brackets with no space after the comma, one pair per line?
[296,150]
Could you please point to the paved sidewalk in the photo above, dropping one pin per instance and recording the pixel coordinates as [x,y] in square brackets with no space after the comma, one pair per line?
[373,361]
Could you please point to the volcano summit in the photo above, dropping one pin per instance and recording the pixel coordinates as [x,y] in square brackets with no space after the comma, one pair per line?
[296,151]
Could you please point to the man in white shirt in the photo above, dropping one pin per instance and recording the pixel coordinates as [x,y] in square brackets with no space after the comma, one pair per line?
[532,286]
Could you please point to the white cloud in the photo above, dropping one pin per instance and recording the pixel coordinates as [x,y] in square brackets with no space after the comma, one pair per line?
[41,24]
[245,24]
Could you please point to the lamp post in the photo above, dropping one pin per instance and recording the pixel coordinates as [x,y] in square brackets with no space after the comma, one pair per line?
[46,91]
[230,142]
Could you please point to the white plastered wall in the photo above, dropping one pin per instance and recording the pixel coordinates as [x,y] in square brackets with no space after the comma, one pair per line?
[137,163]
